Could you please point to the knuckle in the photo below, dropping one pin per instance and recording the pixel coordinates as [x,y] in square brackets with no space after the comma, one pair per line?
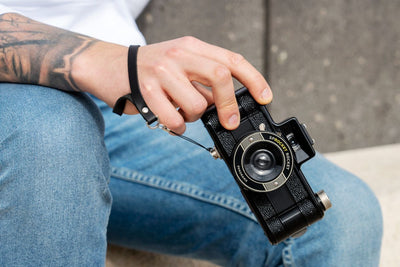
[189,40]
[159,68]
[228,104]
[222,73]
[146,89]
[199,106]
[236,58]
[174,52]
[149,90]
[176,123]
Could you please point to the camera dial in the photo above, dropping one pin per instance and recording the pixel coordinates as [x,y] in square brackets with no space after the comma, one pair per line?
[263,161]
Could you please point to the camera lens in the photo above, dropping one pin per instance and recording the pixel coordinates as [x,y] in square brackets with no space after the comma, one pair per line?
[263,161]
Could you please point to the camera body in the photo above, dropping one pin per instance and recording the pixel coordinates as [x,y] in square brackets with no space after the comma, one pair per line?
[265,157]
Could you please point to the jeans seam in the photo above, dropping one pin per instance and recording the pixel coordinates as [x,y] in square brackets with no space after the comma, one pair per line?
[184,189]
[287,254]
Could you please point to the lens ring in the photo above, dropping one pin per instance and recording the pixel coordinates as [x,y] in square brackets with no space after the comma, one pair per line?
[251,148]
[263,161]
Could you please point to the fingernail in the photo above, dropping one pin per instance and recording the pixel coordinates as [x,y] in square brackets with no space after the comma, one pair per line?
[266,94]
[233,120]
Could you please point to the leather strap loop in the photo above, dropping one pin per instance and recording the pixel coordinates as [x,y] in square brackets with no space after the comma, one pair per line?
[135,96]
[137,99]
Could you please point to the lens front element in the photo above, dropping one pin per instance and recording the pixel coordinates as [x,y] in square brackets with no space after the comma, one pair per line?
[263,161]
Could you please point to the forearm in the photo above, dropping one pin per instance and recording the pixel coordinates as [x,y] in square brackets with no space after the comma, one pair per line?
[171,74]
[36,53]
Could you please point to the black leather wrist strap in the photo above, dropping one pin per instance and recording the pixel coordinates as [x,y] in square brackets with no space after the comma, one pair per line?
[137,99]
[135,96]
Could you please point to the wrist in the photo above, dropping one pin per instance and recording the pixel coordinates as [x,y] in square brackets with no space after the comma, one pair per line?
[102,71]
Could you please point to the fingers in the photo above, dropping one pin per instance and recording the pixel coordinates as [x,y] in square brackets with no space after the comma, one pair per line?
[214,74]
[172,74]
[220,79]
[205,92]
[240,68]
[175,100]
[181,92]
[161,105]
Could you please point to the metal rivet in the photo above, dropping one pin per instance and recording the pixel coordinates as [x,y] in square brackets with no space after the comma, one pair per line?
[145,110]
[251,139]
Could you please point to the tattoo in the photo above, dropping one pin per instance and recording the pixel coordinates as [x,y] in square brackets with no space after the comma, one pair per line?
[35,53]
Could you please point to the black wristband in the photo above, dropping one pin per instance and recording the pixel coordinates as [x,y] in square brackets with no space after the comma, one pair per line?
[135,96]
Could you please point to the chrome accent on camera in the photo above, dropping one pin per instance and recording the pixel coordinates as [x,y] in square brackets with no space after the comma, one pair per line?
[262,127]
[292,142]
[155,125]
[158,125]
[312,140]
[215,154]
[299,233]
[251,139]
[276,183]
[323,197]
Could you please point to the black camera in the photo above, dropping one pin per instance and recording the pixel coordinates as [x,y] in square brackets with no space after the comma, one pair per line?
[265,157]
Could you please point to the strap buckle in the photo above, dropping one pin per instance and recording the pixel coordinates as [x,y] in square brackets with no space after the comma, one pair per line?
[157,125]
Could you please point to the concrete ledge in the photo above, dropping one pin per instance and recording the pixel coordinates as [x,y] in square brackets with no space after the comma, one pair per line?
[378,166]
[122,257]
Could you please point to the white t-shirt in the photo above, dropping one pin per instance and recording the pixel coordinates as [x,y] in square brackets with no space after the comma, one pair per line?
[108,20]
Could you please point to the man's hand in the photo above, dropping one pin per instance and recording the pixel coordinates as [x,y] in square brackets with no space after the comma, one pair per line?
[172,74]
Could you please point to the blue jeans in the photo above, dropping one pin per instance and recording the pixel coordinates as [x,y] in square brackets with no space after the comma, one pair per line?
[57,176]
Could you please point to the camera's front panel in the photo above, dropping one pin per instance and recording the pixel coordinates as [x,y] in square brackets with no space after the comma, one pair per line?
[262,161]
[264,165]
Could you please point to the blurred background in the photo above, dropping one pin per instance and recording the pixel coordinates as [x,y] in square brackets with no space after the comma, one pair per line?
[332,64]
[335,65]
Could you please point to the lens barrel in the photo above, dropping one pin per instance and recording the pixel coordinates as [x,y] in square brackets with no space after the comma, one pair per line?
[263,161]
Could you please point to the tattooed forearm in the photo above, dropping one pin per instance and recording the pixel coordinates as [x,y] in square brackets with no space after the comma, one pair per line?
[35,53]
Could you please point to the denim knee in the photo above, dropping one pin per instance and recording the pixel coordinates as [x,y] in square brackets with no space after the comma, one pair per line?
[54,197]
[350,234]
